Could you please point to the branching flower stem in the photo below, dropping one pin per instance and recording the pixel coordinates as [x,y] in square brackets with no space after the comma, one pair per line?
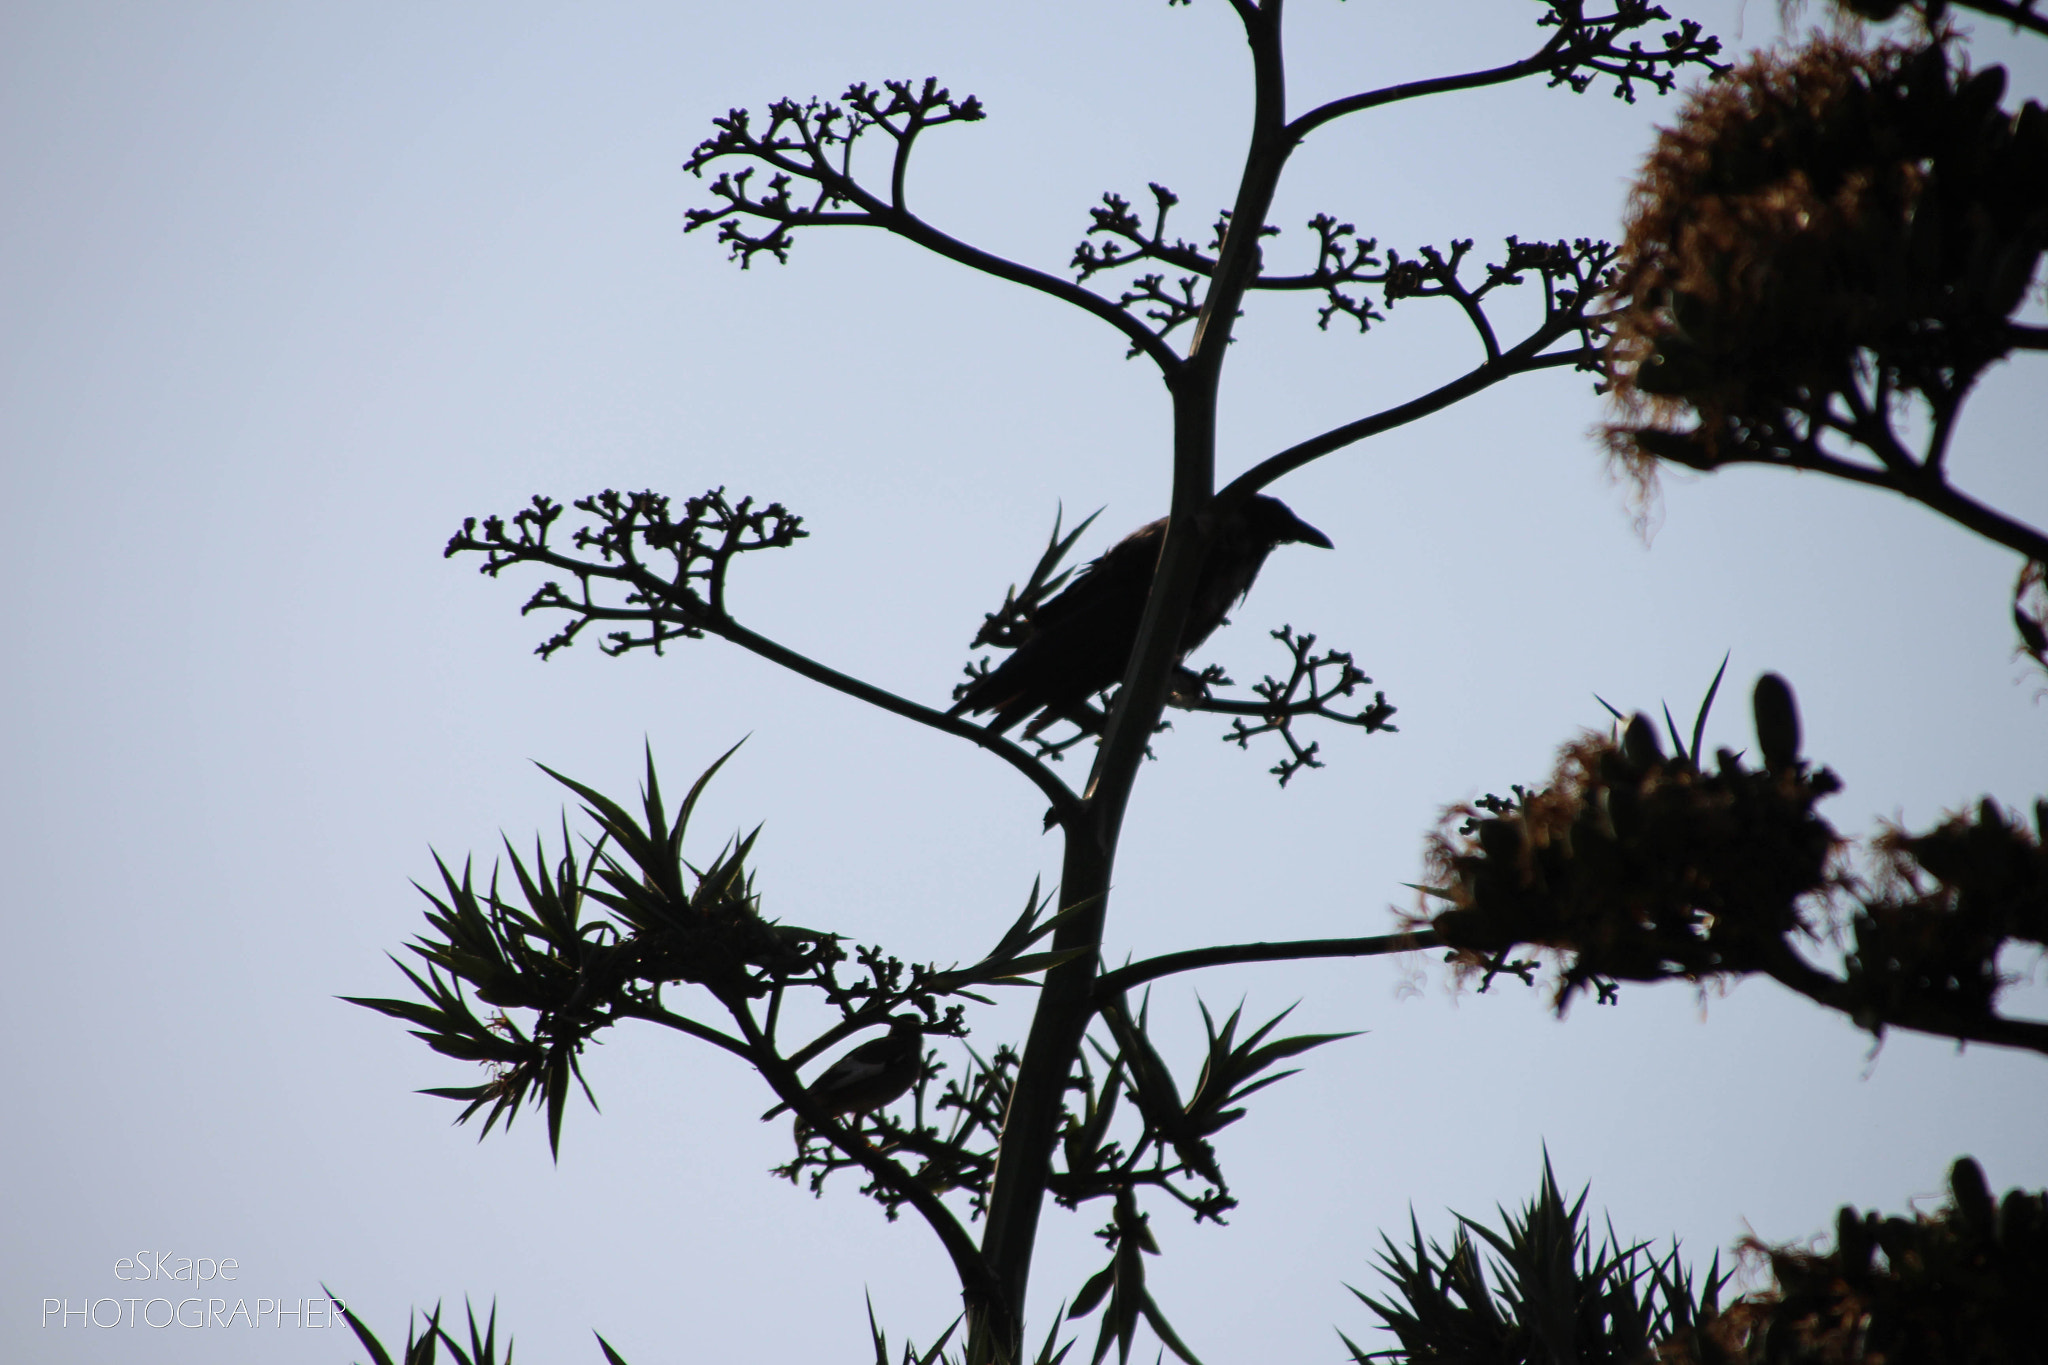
[1070,996]
[1068,1001]
[893,214]
[1066,806]
[653,1013]
[1544,59]
[1525,358]
[669,608]
[968,1263]
[805,153]
[1113,984]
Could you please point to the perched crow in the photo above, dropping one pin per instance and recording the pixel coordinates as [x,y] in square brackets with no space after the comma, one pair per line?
[872,1075]
[1081,640]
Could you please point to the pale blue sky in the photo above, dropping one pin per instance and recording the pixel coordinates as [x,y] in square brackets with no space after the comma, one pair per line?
[290,289]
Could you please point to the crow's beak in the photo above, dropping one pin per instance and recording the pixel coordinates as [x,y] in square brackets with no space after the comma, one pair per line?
[1309,535]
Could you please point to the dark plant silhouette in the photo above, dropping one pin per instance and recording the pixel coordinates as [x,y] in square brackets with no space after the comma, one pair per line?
[1960,1284]
[1551,1296]
[1634,866]
[1825,255]
[1785,284]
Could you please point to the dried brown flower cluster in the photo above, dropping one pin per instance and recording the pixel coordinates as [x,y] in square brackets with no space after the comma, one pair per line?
[1632,866]
[1824,232]
[1946,903]
[1962,1284]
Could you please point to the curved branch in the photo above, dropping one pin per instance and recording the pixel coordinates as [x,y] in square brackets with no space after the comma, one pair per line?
[1870,427]
[1440,85]
[1141,337]
[898,219]
[1965,510]
[1481,324]
[975,1278]
[1795,974]
[2022,337]
[1943,430]
[1834,466]
[1932,492]
[1111,984]
[655,1014]
[673,604]
[1583,49]
[1066,806]
[899,166]
[2019,15]
[1485,376]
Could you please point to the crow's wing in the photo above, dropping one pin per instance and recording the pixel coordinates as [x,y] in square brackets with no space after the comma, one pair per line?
[1080,639]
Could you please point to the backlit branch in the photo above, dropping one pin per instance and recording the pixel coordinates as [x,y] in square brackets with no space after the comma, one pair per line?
[1314,681]
[1897,166]
[1571,274]
[808,149]
[1123,979]
[1345,262]
[663,579]
[1583,49]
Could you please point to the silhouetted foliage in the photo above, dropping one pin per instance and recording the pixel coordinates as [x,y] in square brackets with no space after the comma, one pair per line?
[1551,1296]
[1960,1284]
[1826,235]
[1634,866]
[1824,255]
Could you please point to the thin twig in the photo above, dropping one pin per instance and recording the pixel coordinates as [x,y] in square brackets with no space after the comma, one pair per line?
[1114,983]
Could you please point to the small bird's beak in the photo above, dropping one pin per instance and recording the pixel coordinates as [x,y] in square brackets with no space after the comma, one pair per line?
[1309,535]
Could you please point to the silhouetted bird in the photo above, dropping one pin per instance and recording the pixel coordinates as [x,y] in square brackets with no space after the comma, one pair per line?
[872,1075]
[1081,640]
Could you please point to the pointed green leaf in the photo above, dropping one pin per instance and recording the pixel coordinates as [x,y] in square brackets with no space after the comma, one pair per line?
[1092,1292]
[1159,1325]
[881,1341]
[378,1355]
[931,1356]
[697,789]
[557,1101]
[1699,725]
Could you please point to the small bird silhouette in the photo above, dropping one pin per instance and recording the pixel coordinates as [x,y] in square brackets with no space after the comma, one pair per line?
[1081,640]
[870,1076]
